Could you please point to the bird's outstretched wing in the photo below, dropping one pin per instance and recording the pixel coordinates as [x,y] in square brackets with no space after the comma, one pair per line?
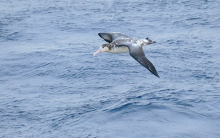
[137,53]
[109,37]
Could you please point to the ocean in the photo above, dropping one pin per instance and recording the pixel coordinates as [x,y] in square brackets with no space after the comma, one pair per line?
[51,86]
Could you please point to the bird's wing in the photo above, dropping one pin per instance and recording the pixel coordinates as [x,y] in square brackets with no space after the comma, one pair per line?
[109,37]
[137,53]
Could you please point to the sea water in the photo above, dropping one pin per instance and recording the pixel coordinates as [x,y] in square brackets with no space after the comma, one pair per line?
[52,86]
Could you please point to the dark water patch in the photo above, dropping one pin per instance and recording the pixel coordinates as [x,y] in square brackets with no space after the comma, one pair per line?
[194,18]
[126,106]
[14,36]
[185,104]
[203,75]
[134,107]
[176,42]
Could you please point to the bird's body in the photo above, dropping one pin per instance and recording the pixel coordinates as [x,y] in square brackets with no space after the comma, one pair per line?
[114,48]
[120,43]
[117,50]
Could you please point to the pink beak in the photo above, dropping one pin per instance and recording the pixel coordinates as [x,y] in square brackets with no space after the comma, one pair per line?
[97,52]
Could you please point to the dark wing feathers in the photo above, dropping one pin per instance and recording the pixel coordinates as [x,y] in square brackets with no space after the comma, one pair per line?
[137,53]
[109,37]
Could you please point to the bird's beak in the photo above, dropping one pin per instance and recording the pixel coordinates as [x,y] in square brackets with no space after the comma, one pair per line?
[97,52]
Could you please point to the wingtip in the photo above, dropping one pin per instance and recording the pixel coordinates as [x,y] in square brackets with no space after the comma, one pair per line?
[156,75]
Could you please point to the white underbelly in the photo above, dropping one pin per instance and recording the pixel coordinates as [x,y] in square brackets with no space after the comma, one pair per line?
[122,49]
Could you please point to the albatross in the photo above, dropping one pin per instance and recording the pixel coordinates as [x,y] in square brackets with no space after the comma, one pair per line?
[120,43]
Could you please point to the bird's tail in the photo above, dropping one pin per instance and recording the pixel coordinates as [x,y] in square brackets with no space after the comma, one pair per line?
[150,41]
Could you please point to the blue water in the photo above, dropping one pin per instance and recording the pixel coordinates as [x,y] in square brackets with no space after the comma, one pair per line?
[52,86]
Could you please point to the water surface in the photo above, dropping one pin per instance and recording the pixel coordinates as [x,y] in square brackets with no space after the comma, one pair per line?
[52,86]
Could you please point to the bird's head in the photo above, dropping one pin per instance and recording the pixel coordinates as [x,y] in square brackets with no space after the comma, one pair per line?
[103,48]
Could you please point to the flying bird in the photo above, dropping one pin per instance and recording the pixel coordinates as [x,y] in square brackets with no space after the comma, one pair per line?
[120,43]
